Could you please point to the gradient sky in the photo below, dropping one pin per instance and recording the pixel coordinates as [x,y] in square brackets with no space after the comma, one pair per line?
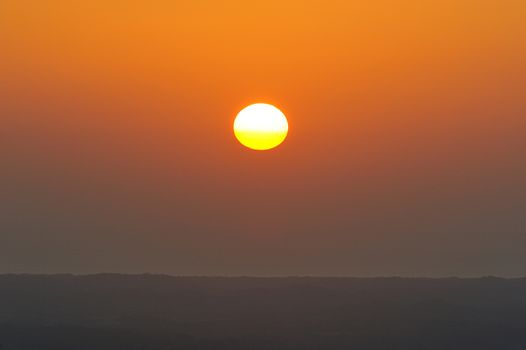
[406,153]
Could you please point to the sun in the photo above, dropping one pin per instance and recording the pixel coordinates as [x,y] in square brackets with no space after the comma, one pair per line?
[261,127]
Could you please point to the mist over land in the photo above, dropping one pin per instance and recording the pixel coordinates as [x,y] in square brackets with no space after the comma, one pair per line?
[113,311]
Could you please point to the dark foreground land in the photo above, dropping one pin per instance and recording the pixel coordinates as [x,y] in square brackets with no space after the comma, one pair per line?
[160,312]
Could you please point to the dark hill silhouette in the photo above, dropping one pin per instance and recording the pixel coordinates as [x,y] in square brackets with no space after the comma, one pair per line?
[111,311]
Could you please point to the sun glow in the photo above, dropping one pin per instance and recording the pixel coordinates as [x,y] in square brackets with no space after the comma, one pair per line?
[261,127]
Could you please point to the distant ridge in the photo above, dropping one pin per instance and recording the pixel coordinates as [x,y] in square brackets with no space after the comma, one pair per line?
[155,311]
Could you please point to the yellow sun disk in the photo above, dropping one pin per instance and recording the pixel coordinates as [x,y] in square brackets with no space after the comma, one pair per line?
[261,127]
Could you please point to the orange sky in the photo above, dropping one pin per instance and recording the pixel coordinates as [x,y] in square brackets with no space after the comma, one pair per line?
[407,136]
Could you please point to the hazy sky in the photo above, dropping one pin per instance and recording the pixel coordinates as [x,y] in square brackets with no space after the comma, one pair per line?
[406,153]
